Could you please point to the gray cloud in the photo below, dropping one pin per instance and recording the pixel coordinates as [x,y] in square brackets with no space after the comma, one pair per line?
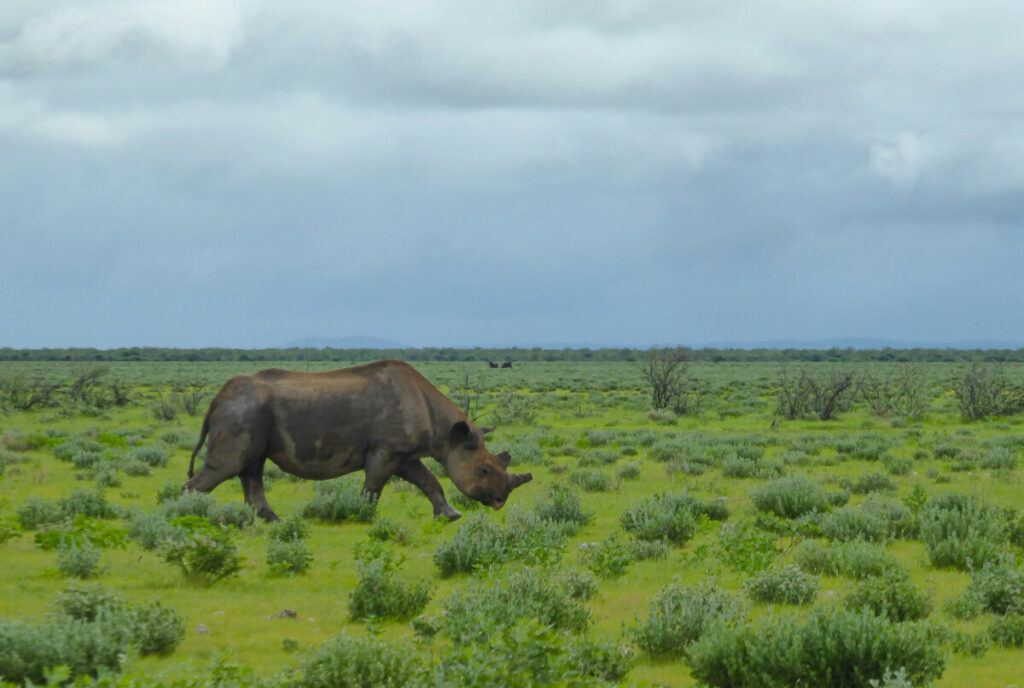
[250,173]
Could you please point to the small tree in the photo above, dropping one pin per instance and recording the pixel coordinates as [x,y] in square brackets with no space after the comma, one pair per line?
[671,387]
[985,391]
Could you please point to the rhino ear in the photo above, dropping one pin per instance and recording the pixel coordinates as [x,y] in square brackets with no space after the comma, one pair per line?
[504,458]
[462,434]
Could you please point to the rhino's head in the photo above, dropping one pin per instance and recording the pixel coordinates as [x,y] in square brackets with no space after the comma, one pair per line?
[478,473]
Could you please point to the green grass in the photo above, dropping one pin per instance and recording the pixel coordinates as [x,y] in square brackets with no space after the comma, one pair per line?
[577,405]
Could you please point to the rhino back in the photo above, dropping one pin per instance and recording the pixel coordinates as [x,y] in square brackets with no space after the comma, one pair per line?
[326,423]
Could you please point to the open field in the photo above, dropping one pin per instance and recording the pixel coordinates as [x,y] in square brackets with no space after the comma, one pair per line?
[800,498]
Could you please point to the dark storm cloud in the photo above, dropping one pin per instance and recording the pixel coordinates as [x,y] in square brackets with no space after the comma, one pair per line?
[247,173]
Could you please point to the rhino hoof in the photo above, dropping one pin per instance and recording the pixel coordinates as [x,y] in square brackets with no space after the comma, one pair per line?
[449,513]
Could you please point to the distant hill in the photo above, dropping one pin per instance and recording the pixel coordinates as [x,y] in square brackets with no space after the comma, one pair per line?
[358,342]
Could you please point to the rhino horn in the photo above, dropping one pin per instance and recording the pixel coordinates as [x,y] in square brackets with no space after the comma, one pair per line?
[517,479]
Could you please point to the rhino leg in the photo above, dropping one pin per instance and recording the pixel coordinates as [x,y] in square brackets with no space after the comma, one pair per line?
[252,487]
[419,475]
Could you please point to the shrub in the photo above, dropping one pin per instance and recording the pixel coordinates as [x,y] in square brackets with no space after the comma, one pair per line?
[608,558]
[150,529]
[892,595]
[389,530]
[37,511]
[91,632]
[603,661]
[790,497]
[832,647]
[291,529]
[679,615]
[629,471]
[341,500]
[524,654]
[670,517]
[1007,631]
[86,503]
[787,585]
[855,523]
[999,458]
[552,598]
[477,544]
[532,539]
[870,482]
[562,505]
[80,560]
[288,556]
[998,588]
[591,480]
[746,548]
[854,560]
[661,517]
[379,594]
[961,531]
[156,629]
[153,456]
[355,662]
[204,552]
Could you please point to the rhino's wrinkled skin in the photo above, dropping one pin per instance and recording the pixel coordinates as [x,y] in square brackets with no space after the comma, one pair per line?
[381,418]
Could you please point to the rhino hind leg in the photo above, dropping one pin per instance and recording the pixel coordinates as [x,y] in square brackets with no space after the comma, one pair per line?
[252,487]
[420,476]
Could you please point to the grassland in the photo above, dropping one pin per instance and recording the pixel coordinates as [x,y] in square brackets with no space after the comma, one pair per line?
[586,426]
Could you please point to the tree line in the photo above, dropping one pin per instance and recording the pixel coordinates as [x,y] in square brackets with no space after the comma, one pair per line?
[705,355]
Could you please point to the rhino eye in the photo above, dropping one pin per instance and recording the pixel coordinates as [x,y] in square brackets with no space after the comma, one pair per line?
[483,471]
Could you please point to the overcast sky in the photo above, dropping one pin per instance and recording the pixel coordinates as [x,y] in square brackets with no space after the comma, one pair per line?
[531,172]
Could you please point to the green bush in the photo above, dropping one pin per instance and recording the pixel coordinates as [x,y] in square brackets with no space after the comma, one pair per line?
[679,615]
[998,588]
[608,559]
[999,458]
[1007,631]
[670,517]
[389,530]
[856,560]
[961,531]
[744,547]
[156,629]
[526,654]
[477,544]
[150,529]
[355,662]
[341,500]
[37,511]
[892,595]
[629,471]
[286,557]
[790,497]
[79,560]
[91,632]
[562,505]
[855,523]
[787,585]
[204,552]
[379,593]
[837,648]
[291,529]
[154,456]
[552,598]
[602,661]
[869,482]
[590,480]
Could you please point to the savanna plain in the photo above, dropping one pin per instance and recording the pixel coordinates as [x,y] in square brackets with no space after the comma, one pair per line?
[720,524]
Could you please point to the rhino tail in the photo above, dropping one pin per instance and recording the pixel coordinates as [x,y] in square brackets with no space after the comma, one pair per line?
[202,438]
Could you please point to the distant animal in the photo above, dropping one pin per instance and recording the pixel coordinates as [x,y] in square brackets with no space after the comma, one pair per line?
[506,364]
[492,364]
[381,418]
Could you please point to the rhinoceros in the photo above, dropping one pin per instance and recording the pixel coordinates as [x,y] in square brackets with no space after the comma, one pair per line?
[381,418]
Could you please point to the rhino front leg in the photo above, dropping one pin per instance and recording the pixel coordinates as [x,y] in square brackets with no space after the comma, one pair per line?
[419,475]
